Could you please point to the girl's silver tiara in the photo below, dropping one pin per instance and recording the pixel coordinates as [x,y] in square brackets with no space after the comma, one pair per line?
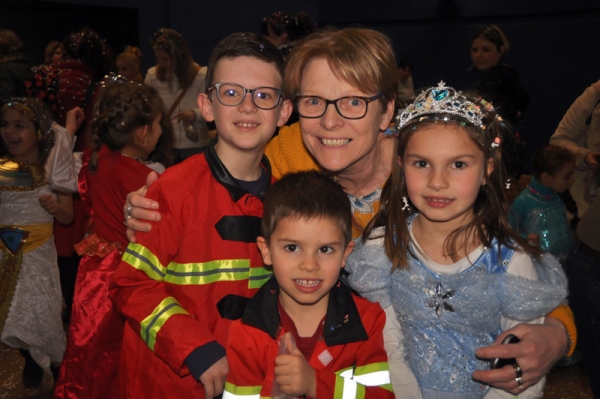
[443,100]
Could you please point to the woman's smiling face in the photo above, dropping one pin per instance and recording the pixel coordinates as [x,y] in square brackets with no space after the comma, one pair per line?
[340,145]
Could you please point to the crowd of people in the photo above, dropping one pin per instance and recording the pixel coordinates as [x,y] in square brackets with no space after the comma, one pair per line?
[368,250]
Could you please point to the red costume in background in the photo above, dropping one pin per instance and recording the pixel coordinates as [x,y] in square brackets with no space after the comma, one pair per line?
[90,365]
[182,283]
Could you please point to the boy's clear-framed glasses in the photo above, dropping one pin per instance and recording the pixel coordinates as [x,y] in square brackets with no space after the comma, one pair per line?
[232,94]
[351,107]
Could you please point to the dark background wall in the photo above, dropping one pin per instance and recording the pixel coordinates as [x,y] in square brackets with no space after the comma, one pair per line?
[554,44]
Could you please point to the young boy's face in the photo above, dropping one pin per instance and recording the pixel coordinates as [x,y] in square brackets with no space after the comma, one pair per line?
[562,180]
[307,256]
[245,126]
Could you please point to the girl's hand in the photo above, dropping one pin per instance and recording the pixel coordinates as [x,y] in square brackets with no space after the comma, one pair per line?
[49,203]
[541,346]
[186,117]
[75,118]
[137,207]
[294,375]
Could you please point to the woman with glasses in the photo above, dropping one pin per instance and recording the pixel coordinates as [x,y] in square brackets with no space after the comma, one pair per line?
[178,81]
[343,84]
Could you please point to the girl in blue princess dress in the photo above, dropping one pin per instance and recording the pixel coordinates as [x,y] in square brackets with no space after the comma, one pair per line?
[454,272]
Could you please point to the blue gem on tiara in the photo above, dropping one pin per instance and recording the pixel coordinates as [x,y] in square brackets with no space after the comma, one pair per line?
[443,100]
[439,95]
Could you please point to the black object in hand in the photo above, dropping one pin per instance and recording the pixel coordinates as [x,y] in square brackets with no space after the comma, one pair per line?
[498,363]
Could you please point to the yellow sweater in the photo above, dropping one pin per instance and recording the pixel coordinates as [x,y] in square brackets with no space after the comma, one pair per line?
[287,153]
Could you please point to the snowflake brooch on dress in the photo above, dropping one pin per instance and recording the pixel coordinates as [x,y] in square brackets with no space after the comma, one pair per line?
[437,299]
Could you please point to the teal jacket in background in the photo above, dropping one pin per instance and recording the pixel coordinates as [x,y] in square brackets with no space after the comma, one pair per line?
[539,210]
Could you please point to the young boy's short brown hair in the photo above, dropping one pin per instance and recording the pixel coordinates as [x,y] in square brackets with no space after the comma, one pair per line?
[306,195]
[244,44]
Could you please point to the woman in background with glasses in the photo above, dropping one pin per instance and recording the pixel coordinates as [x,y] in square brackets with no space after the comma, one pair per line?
[178,81]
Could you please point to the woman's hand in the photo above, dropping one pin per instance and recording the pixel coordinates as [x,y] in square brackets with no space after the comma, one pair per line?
[137,207]
[186,117]
[541,346]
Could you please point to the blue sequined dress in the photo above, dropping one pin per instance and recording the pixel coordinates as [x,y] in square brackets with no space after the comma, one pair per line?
[445,318]
[539,210]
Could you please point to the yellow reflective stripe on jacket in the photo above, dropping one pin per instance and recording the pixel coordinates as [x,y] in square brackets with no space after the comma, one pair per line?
[234,392]
[352,381]
[142,259]
[346,388]
[200,273]
[374,374]
[151,325]
[259,276]
[196,273]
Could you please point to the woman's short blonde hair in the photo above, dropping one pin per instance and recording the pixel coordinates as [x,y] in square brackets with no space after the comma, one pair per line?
[362,57]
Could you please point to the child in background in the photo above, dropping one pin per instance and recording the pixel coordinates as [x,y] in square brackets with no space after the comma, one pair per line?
[126,130]
[180,285]
[458,275]
[128,64]
[30,296]
[307,237]
[538,213]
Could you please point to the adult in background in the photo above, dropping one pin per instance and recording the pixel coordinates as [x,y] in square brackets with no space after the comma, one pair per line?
[344,87]
[178,81]
[584,284]
[406,87]
[14,70]
[579,131]
[499,84]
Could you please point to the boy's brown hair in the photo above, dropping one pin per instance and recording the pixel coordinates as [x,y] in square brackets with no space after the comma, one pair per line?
[243,44]
[306,195]
[550,159]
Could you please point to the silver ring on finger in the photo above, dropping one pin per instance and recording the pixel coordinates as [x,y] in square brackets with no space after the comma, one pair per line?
[129,210]
[127,219]
[520,382]
[518,370]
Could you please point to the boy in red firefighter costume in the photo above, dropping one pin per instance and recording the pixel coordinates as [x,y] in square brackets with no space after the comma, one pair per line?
[338,351]
[180,285]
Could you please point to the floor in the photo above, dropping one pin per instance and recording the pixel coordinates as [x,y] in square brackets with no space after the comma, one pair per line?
[563,382]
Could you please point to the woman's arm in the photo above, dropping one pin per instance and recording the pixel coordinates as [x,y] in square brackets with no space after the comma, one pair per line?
[137,207]
[570,132]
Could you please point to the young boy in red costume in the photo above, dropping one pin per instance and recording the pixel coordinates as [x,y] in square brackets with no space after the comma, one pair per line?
[338,351]
[180,285]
